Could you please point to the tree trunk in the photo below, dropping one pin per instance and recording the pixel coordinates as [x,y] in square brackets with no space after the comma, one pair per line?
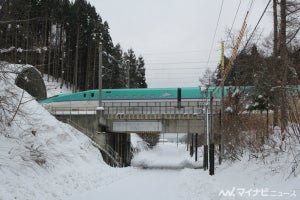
[284,58]
[49,50]
[87,70]
[62,53]
[275,23]
[94,67]
[275,55]
[43,50]
[68,65]
[76,61]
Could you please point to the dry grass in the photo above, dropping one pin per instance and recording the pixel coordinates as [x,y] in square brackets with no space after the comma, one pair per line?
[251,131]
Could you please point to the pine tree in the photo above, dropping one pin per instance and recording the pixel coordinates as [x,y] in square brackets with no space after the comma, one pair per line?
[61,38]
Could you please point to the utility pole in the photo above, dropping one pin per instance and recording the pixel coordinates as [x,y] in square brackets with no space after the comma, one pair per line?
[100,109]
[275,56]
[221,146]
[205,132]
[100,75]
[128,73]
[211,140]
[205,157]
[196,147]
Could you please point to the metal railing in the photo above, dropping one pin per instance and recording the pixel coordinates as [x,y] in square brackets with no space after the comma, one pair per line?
[190,107]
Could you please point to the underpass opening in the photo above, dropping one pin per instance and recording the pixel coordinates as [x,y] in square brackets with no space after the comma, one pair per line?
[166,155]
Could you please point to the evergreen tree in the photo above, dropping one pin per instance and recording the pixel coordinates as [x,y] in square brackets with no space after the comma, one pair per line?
[61,38]
[135,70]
[140,73]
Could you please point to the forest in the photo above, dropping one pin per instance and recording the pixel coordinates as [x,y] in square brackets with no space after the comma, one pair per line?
[62,39]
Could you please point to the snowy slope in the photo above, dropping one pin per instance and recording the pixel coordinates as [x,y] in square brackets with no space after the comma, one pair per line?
[42,158]
[54,87]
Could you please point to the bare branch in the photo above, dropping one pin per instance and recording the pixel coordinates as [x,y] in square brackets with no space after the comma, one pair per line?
[18,107]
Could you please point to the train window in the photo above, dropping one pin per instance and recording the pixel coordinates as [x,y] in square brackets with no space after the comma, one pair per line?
[92,94]
[84,95]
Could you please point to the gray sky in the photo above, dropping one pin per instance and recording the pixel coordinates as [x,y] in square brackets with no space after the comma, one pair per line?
[175,36]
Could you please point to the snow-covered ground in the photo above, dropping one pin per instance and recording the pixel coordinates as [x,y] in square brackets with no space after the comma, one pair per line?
[42,158]
[166,156]
[54,87]
[241,180]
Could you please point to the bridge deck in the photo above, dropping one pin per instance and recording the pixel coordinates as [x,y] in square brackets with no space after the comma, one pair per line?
[137,110]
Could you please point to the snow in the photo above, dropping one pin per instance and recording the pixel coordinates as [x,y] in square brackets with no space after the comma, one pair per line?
[137,143]
[142,184]
[54,87]
[165,156]
[42,158]
[245,180]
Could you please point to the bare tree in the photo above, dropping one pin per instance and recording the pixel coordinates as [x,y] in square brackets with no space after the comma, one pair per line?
[293,21]
[10,101]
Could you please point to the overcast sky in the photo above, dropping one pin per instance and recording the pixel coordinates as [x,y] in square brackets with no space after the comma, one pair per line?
[175,36]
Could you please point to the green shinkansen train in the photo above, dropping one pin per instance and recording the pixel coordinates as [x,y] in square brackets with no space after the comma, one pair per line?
[90,97]
[135,94]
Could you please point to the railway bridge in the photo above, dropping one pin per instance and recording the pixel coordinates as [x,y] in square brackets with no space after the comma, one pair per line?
[138,117]
[109,126]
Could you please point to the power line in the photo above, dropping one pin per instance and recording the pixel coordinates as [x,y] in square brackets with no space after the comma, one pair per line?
[238,8]
[171,78]
[175,52]
[174,68]
[169,73]
[176,63]
[251,5]
[213,41]
[256,25]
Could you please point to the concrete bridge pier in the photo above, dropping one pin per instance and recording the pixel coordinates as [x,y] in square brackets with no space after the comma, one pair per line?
[101,120]
[119,142]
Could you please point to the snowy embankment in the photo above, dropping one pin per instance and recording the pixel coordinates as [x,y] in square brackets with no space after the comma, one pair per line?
[42,158]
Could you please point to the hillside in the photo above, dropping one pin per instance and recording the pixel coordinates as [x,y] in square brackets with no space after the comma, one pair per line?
[42,158]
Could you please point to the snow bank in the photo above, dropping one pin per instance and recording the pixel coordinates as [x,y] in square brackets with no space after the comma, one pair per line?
[137,143]
[42,158]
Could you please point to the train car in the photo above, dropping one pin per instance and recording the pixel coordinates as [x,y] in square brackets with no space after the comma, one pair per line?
[142,96]
[189,100]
